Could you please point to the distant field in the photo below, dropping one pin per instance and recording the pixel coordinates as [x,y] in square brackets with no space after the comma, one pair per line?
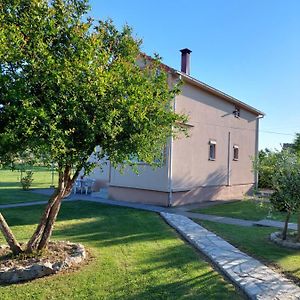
[42,177]
[10,187]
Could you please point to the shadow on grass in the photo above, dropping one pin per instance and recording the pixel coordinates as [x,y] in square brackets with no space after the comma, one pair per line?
[205,286]
[142,252]
[160,254]
[17,195]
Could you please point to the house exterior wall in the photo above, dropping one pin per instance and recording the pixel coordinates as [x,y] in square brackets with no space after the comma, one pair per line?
[146,178]
[211,119]
[188,176]
[138,195]
[148,186]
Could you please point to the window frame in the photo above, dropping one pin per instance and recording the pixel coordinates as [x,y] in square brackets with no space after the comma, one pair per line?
[236,148]
[212,145]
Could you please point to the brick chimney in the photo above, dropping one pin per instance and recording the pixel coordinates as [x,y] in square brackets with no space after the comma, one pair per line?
[185,61]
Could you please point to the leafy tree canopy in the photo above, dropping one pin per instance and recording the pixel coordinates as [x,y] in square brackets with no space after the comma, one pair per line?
[296,144]
[68,84]
[281,172]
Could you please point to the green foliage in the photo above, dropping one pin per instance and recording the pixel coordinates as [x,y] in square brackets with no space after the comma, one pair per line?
[281,172]
[296,144]
[27,180]
[266,164]
[286,183]
[69,83]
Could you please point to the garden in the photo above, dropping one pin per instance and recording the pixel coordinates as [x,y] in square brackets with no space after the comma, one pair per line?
[68,85]
[131,255]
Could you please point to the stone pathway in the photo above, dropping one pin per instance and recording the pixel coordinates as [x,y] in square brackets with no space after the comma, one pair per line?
[272,223]
[217,219]
[101,197]
[255,279]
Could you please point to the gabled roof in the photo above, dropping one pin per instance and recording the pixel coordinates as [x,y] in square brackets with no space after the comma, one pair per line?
[208,88]
[219,93]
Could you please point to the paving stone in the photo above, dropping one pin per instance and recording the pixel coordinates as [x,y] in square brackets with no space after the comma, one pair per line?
[255,279]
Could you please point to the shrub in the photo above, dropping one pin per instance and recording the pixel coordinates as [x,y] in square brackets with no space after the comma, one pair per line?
[26,181]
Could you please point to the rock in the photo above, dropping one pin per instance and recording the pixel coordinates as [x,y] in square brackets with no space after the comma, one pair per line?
[40,269]
[276,238]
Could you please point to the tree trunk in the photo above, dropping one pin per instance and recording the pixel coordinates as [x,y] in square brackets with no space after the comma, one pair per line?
[42,234]
[36,237]
[49,225]
[298,233]
[9,237]
[286,225]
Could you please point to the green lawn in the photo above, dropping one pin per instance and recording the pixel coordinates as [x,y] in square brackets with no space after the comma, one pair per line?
[255,242]
[11,191]
[245,209]
[135,256]
[41,178]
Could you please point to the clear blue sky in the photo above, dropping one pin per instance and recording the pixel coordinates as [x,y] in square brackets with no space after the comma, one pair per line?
[249,49]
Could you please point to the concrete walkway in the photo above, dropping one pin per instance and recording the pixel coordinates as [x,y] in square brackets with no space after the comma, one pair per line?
[272,223]
[255,279]
[101,197]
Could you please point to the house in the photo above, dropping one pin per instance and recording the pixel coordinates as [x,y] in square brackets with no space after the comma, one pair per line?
[213,163]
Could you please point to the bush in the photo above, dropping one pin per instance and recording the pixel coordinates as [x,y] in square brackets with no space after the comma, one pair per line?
[266,161]
[26,181]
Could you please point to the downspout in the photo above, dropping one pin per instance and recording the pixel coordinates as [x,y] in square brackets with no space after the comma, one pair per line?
[256,150]
[229,160]
[170,172]
[170,160]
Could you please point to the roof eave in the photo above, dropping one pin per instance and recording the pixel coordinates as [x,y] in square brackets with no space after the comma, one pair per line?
[219,93]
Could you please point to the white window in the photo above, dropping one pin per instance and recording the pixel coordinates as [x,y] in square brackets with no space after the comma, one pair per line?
[235,152]
[212,150]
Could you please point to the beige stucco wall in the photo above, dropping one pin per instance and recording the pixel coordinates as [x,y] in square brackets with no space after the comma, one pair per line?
[212,119]
[196,195]
[147,178]
[138,195]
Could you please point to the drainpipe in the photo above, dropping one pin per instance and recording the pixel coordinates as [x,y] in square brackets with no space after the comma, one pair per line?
[229,160]
[256,150]
[170,172]
[170,160]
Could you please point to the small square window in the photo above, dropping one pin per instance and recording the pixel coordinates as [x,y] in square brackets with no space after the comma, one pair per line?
[212,150]
[235,152]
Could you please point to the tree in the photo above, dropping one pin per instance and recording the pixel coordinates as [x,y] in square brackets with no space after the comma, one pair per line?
[285,181]
[68,85]
[286,184]
[296,144]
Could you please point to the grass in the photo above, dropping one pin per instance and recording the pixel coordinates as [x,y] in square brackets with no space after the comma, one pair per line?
[255,241]
[135,256]
[11,191]
[245,209]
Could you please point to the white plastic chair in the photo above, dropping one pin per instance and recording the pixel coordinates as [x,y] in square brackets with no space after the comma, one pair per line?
[87,186]
[76,186]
